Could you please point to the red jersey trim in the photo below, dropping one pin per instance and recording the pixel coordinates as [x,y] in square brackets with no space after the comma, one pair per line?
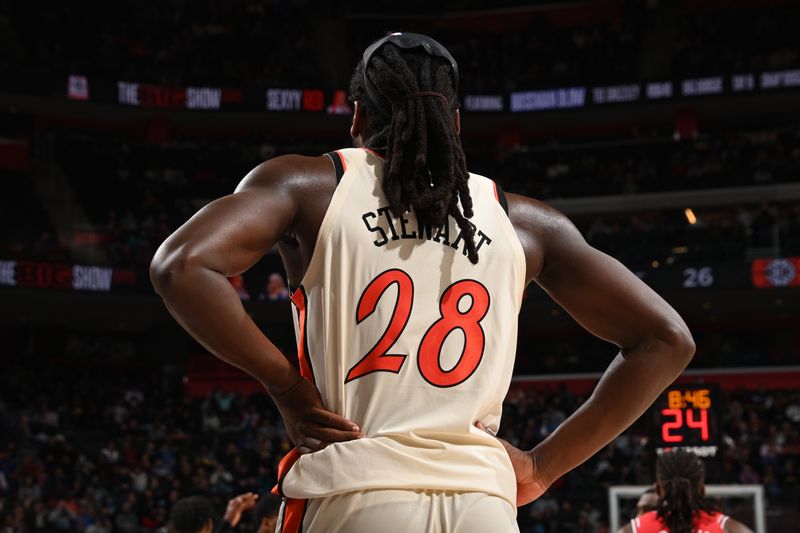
[294,511]
[650,523]
[341,158]
[283,468]
[374,153]
[300,301]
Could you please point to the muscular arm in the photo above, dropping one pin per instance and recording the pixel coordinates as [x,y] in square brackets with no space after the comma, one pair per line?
[223,239]
[613,304]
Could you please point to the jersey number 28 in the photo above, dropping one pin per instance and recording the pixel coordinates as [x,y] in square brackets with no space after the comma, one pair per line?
[428,354]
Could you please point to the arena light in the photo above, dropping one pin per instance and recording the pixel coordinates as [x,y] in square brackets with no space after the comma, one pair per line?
[690,216]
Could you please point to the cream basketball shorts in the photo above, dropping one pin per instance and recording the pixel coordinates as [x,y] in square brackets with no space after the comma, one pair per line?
[399,511]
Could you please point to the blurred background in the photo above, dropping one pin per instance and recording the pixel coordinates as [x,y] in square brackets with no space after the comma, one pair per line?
[668,131]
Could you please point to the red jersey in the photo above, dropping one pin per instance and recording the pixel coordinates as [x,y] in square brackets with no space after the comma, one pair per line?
[704,523]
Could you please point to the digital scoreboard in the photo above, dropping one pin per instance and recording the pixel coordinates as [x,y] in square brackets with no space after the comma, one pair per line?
[686,416]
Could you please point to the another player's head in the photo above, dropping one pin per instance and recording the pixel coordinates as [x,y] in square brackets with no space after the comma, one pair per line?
[648,501]
[194,514]
[681,490]
[405,90]
[266,513]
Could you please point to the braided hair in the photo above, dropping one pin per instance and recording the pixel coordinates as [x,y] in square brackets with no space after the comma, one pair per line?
[426,170]
[681,475]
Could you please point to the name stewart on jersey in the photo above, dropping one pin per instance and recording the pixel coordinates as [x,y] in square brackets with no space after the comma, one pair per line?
[388,228]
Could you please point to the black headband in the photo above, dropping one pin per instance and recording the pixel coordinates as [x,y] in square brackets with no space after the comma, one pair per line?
[406,41]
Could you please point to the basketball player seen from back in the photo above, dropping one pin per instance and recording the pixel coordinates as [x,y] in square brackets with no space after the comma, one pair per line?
[408,274]
[682,506]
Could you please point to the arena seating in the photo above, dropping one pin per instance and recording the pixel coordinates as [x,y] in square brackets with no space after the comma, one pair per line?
[109,412]
[103,434]
[135,193]
[603,42]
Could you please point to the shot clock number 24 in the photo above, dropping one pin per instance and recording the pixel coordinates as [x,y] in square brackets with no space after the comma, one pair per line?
[685,416]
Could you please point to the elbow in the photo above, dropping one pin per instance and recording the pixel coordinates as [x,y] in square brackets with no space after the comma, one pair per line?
[159,275]
[160,272]
[167,268]
[678,337]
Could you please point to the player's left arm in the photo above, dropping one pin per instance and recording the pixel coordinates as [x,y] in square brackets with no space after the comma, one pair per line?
[612,303]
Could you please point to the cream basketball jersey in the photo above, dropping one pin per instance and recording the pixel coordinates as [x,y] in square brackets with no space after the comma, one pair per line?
[408,339]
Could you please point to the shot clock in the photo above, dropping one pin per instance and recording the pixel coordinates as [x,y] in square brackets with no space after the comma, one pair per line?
[686,416]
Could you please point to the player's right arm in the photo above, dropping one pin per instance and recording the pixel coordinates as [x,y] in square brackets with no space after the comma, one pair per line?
[191,269]
[612,303]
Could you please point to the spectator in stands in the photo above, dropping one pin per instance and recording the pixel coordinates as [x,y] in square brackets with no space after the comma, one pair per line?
[241,288]
[265,515]
[148,201]
[276,289]
[126,520]
[79,488]
[221,481]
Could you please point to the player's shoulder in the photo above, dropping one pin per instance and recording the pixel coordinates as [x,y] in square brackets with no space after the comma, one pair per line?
[639,524]
[645,523]
[545,232]
[648,517]
[355,151]
[535,215]
[289,172]
[722,522]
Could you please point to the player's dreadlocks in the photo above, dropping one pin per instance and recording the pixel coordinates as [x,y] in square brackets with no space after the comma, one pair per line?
[681,475]
[425,165]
